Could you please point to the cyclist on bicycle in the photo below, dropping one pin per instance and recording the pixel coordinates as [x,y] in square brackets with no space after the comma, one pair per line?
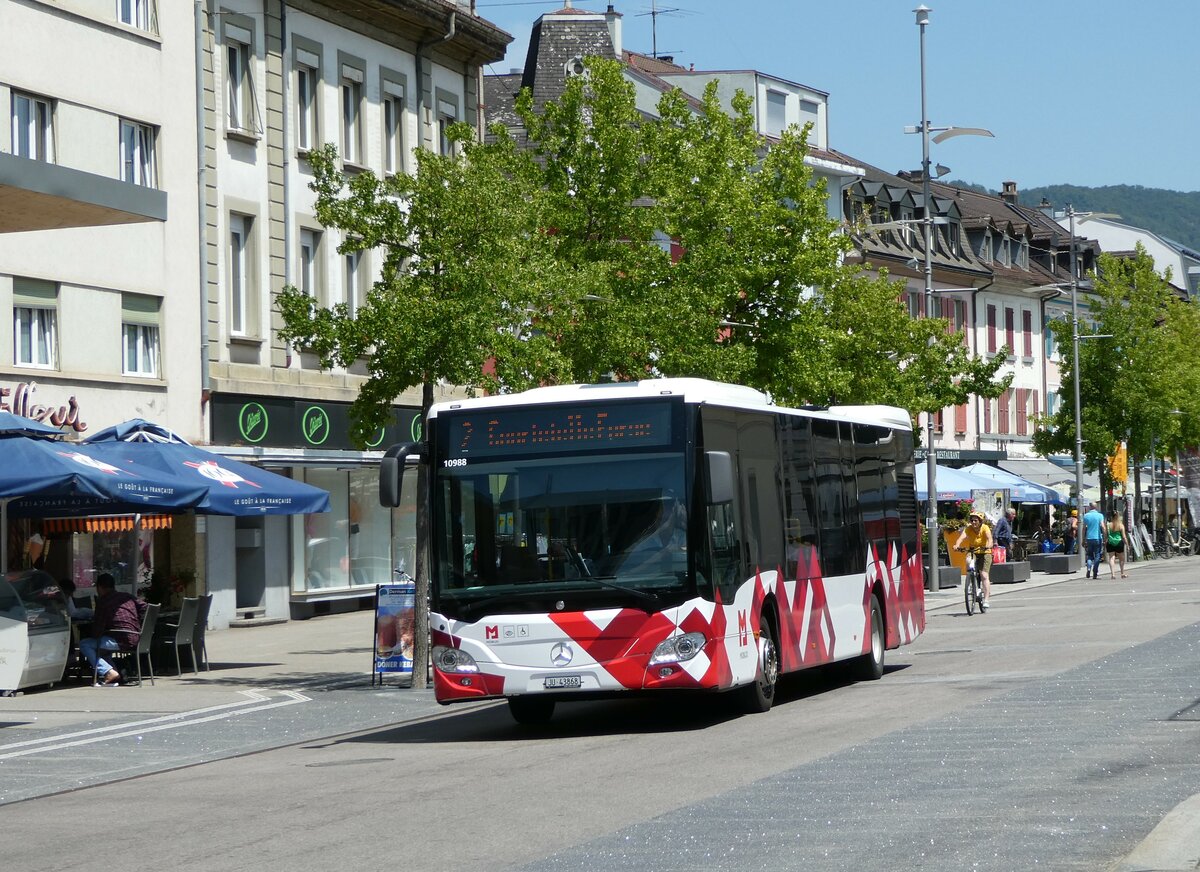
[976,540]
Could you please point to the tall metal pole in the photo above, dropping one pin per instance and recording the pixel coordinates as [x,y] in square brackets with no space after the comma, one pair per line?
[1075,355]
[931,523]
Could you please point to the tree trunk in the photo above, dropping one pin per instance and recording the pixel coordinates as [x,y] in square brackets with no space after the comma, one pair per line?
[420,676]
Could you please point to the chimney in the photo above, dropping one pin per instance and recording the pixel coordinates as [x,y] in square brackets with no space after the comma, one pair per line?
[1009,193]
[613,18]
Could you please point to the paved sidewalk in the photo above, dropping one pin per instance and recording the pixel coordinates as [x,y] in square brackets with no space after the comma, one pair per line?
[318,654]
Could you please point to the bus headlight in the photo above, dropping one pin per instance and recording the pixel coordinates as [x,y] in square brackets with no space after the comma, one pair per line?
[453,660]
[677,649]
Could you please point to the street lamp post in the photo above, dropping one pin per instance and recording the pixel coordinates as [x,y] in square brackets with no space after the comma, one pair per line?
[927,222]
[931,522]
[1075,363]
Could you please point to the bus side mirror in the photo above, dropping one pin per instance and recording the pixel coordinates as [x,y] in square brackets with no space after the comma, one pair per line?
[391,471]
[719,478]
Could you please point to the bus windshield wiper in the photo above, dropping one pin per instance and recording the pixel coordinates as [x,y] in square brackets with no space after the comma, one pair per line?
[604,582]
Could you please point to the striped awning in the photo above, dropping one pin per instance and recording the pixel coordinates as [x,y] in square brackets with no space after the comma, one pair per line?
[106,524]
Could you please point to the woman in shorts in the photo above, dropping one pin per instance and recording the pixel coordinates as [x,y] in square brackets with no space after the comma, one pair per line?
[1114,545]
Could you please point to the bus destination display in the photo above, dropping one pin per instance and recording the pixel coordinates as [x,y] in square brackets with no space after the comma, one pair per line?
[553,429]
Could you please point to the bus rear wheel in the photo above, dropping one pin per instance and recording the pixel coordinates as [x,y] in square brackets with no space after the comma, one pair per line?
[869,667]
[530,709]
[759,695]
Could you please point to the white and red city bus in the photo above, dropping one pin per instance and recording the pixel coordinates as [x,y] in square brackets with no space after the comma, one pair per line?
[668,534]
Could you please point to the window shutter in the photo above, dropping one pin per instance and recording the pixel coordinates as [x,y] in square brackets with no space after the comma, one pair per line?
[1002,412]
[1027,331]
[1022,411]
[140,309]
[1009,330]
[960,419]
[991,329]
[36,293]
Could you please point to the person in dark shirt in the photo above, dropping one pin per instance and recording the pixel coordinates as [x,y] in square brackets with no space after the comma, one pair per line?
[116,624]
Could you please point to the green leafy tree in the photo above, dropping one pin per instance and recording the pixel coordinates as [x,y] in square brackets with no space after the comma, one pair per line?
[1136,382]
[504,268]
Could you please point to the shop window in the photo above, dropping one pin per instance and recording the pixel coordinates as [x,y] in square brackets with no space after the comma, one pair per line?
[357,544]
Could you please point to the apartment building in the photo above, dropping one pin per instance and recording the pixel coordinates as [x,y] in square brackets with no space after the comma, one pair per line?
[378,78]
[98,248]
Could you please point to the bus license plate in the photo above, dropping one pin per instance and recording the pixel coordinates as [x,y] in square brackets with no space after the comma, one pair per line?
[568,681]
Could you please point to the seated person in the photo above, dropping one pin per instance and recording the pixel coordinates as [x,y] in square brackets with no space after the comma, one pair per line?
[77,613]
[116,625]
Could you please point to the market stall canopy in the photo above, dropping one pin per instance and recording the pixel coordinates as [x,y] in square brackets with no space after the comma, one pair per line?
[952,484]
[232,487]
[1022,491]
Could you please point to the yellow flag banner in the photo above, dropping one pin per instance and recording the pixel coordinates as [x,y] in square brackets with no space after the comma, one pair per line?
[1118,464]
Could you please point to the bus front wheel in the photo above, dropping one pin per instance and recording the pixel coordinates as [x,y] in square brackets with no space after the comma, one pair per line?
[759,695]
[530,709]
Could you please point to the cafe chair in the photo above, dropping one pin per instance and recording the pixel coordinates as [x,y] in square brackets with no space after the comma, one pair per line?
[178,633]
[135,653]
[199,650]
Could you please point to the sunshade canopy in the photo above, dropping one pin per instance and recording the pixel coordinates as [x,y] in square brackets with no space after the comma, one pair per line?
[232,487]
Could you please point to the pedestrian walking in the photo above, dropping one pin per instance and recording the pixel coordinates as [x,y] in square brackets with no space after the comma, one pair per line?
[1071,532]
[1002,533]
[1094,531]
[1114,545]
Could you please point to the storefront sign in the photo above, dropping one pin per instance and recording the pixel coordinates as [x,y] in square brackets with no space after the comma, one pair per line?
[276,422]
[958,455]
[395,620]
[19,400]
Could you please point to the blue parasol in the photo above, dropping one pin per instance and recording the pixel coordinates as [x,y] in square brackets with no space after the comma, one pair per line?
[233,488]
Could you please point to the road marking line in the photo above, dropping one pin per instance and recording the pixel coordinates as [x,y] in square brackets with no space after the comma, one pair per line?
[155,725]
[254,696]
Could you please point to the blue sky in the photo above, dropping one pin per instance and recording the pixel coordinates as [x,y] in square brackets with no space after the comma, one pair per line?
[1085,92]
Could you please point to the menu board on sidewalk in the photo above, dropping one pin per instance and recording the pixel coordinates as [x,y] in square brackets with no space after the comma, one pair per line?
[394,628]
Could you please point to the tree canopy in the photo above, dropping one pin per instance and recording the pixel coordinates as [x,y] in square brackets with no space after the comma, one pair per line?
[1135,383]
[619,246]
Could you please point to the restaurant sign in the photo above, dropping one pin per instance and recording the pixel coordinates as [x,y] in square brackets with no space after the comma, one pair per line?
[395,619]
[278,422]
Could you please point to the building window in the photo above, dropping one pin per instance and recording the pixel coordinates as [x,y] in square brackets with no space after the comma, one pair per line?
[32,127]
[985,248]
[1002,414]
[1051,342]
[137,154]
[135,13]
[308,129]
[991,329]
[352,91]
[240,111]
[35,319]
[241,271]
[1022,411]
[776,113]
[393,127]
[139,326]
[309,274]
[447,115]
[1027,333]
[352,281]
[1010,325]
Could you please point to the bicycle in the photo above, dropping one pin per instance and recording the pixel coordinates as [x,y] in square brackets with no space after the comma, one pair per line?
[973,586]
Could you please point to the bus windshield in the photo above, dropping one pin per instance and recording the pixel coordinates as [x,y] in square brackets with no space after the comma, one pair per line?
[594,529]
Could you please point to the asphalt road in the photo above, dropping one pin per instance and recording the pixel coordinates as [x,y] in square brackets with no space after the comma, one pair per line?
[1052,733]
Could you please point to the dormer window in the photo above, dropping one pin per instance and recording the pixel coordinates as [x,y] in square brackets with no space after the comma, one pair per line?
[1003,251]
[1023,254]
[985,247]
[952,238]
